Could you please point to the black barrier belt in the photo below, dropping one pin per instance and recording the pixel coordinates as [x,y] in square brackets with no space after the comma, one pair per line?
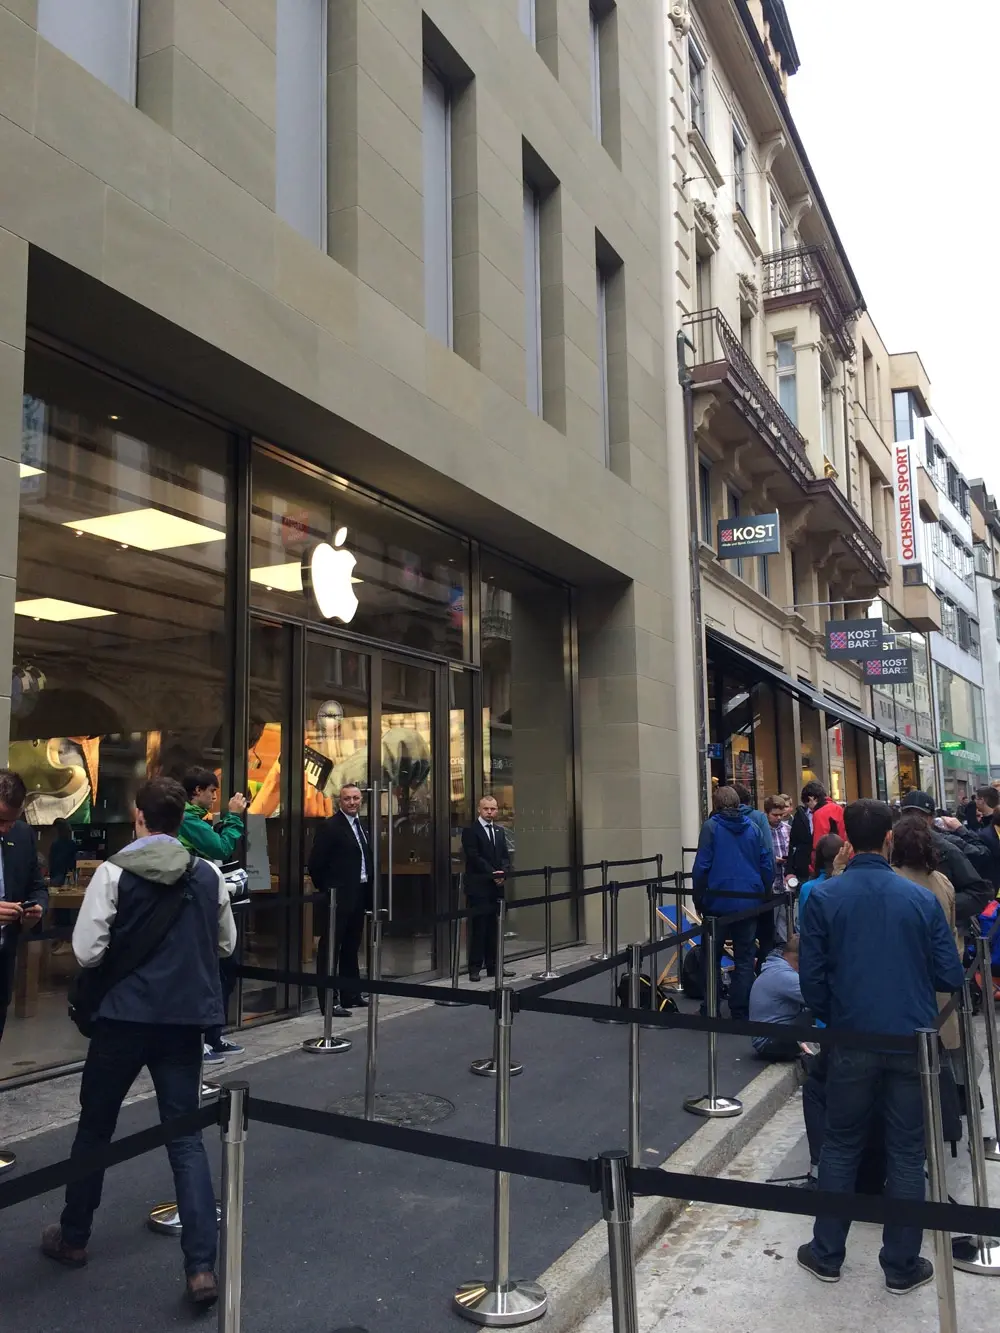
[575,976]
[864,1041]
[955,1217]
[410,990]
[57,1174]
[423,1143]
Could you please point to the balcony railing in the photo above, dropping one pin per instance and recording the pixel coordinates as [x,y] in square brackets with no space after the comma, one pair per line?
[859,536]
[791,273]
[717,342]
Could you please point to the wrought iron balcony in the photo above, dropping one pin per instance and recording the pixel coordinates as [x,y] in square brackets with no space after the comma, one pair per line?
[853,530]
[719,356]
[806,274]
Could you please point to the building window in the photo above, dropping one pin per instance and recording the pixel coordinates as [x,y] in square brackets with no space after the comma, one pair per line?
[828,433]
[533,298]
[705,502]
[996,616]
[703,282]
[763,576]
[746,333]
[788,397]
[779,225]
[100,35]
[595,70]
[602,363]
[300,125]
[949,620]
[698,87]
[526,18]
[438,303]
[734,512]
[739,168]
[796,587]
[902,409]
[868,379]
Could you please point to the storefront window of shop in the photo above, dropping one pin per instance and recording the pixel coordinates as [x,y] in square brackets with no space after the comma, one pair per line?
[120,653]
[410,579]
[765,743]
[812,754]
[964,755]
[838,766]
[527,732]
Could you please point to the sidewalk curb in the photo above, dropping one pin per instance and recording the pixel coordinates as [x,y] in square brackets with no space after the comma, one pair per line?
[578,1281]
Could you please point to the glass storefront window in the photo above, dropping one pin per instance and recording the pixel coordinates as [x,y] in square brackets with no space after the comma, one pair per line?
[410,578]
[838,764]
[527,729]
[765,743]
[812,758]
[121,667]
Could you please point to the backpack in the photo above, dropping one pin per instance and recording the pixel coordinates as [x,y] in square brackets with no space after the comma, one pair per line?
[692,980]
[127,951]
[665,1002]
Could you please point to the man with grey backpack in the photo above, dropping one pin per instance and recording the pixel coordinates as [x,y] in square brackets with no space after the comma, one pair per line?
[154,922]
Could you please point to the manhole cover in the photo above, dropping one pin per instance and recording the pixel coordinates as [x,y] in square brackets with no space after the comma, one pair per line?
[413,1109]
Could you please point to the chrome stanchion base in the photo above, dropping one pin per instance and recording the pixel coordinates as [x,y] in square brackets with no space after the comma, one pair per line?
[991,1150]
[488,1069]
[8,1161]
[976,1254]
[599,957]
[515,1303]
[545,975]
[165,1220]
[326,1045]
[714,1108]
[451,1004]
[618,1021]
[209,1091]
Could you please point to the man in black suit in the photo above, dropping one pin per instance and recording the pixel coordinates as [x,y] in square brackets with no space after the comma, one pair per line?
[23,895]
[341,860]
[487,859]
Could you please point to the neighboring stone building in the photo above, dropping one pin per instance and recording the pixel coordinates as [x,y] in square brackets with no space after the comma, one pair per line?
[986,535]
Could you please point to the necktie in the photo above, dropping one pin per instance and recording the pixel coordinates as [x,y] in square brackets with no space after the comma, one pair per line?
[493,837]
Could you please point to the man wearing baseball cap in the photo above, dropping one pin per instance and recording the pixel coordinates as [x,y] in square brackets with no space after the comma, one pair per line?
[972,892]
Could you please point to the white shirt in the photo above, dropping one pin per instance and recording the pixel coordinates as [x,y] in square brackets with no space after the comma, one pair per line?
[355,825]
[491,831]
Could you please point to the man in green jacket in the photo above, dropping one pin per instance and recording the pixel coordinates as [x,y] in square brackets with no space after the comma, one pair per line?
[214,842]
[217,843]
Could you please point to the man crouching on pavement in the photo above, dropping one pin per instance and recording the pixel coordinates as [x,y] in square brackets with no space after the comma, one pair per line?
[153,1017]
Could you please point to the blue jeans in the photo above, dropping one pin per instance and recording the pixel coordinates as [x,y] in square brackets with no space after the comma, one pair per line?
[744,941]
[859,1084]
[117,1054]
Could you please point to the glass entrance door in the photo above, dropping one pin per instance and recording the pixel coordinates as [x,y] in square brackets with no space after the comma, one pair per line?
[409,779]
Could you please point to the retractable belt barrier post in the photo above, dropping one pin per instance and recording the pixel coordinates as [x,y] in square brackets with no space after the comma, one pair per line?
[504,1302]
[455,933]
[929,1060]
[375,924]
[984,964]
[612,896]
[617,1205]
[547,974]
[604,950]
[789,914]
[974,1254]
[328,1044]
[234,1133]
[635,966]
[712,1105]
[488,1068]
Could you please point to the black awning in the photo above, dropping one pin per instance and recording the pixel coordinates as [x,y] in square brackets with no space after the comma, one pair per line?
[761,667]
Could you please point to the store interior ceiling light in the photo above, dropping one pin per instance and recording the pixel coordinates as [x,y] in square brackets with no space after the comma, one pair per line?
[286,578]
[28,471]
[54,608]
[148,529]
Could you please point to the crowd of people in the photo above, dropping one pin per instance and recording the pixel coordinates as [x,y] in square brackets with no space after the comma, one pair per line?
[886,898]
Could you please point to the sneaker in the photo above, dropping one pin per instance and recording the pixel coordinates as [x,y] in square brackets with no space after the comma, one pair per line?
[923,1272]
[807,1260]
[211,1057]
[227,1047]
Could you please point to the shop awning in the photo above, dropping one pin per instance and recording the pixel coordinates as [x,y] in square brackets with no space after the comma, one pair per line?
[842,712]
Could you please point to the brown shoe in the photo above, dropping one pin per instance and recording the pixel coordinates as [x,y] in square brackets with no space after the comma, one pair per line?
[54,1247]
[202,1290]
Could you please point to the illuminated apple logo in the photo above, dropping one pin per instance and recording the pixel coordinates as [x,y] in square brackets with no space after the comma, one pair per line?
[329,573]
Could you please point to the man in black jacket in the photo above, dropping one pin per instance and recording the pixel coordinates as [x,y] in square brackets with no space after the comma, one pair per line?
[341,860]
[972,891]
[23,895]
[487,860]
[981,846]
[800,845]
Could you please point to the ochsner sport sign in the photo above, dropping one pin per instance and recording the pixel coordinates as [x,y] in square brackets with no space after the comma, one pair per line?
[907,524]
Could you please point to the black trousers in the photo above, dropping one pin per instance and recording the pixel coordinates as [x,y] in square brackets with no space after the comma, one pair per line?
[349,928]
[482,933]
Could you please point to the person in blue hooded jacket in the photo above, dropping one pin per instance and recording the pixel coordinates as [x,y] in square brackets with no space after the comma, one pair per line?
[733,871]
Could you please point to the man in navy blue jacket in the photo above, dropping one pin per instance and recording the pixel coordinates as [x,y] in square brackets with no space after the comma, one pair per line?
[875,948]
[734,869]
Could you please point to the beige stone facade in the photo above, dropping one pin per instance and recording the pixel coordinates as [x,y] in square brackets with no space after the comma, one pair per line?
[145,237]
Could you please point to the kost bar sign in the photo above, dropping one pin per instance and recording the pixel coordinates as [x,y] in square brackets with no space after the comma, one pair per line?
[907,528]
[893,667]
[739,537]
[856,639]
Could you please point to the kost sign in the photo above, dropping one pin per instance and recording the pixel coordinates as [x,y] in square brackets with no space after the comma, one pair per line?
[907,527]
[739,537]
[857,639]
[892,667]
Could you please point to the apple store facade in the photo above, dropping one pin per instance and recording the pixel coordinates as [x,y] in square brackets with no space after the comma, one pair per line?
[191,596]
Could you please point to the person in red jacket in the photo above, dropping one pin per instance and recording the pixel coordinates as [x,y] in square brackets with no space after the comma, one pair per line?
[825,815]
